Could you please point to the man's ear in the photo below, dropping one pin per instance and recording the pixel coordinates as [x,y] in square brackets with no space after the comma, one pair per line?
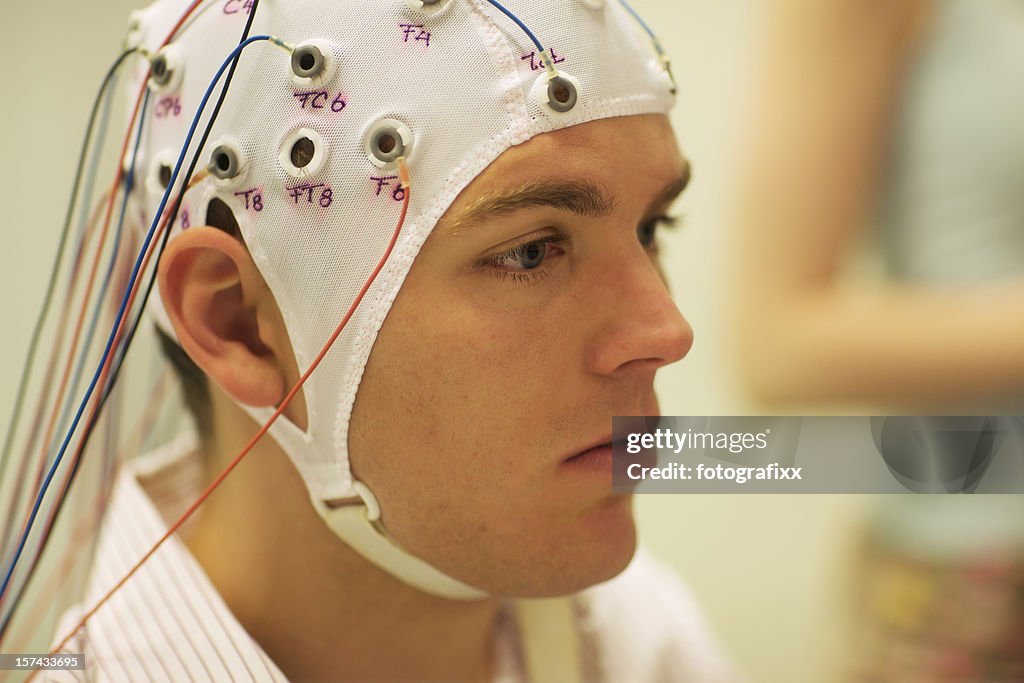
[225,316]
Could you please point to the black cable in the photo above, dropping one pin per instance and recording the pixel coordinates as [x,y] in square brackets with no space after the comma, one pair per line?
[129,181]
[119,360]
[26,369]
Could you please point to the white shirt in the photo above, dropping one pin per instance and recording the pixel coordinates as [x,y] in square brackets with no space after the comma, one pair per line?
[169,624]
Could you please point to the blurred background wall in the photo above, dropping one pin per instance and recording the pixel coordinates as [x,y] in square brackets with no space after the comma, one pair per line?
[771,571]
[768,569]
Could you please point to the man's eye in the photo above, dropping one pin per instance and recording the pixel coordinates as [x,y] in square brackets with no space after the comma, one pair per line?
[531,255]
[525,257]
[647,232]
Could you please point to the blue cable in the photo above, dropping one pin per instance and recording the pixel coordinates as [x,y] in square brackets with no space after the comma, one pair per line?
[519,23]
[654,41]
[80,239]
[129,183]
[105,392]
[639,19]
[94,143]
[124,302]
[98,308]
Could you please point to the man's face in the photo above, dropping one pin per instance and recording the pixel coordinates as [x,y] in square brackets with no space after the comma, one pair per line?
[535,311]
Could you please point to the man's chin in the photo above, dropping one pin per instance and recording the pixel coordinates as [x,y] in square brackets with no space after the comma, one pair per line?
[594,546]
[606,541]
[615,540]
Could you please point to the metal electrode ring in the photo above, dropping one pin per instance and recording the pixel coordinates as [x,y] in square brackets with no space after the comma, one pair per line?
[225,161]
[387,140]
[562,94]
[166,70]
[312,63]
[136,31]
[308,61]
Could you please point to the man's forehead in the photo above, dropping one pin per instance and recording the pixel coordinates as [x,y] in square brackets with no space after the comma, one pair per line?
[583,169]
[648,136]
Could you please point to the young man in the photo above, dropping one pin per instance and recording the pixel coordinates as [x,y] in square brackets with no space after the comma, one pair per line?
[448,462]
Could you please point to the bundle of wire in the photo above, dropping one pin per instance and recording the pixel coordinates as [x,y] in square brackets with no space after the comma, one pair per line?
[29,543]
[31,507]
[108,279]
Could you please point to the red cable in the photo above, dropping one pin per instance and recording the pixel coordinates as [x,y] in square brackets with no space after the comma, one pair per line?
[52,518]
[51,365]
[65,312]
[259,435]
[277,413]
[88,526]
[66,376]
[51,425]
[95,266]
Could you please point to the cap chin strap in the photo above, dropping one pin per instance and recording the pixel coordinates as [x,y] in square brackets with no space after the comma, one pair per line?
[357,522]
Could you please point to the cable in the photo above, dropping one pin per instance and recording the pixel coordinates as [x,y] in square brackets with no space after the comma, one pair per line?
[89,524]
[188,182]
[546,57]
[119,361]
[51,424]
[66,375]
[92,223]
[14,420]
[27,526]
[404,174]
[51,368]
[121,310]
[87,229]
[662,55]
[107,386]
[76,185]
[639,19]
[129,180]
[27,529]
[519,23]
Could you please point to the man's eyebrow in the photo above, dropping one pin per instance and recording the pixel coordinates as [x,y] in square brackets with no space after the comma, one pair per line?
[583,198]
[674,189]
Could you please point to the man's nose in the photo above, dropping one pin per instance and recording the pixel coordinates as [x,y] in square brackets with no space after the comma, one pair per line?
[642,327]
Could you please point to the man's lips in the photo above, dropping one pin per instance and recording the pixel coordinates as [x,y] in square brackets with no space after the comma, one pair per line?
[597,455]
[597,444]
[595,459]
